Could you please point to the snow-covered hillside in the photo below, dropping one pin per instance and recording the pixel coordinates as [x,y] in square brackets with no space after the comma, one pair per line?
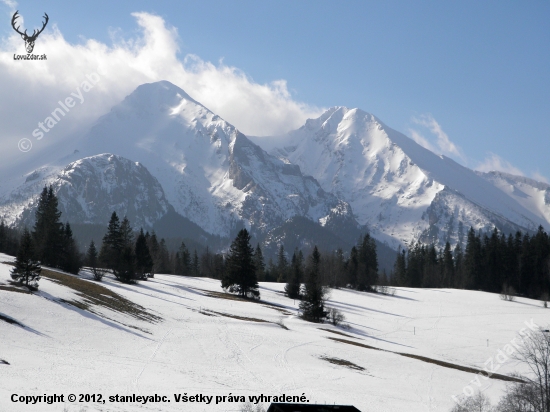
[182,336]
[392,183]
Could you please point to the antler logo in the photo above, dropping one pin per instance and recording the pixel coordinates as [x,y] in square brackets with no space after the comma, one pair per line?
[29,40]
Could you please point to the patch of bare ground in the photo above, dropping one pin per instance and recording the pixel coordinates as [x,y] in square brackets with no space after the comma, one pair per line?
[228,315]
[343,362]
[94,295]
[277,308]
[437,362]
[10,320]
[15,287]
[339,333]
[230,296]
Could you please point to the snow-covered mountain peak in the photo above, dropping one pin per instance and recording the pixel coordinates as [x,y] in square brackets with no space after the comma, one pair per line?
[150,98]
[89,190]
[401,190]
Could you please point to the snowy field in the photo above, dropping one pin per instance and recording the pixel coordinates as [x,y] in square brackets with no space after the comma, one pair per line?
[206,344]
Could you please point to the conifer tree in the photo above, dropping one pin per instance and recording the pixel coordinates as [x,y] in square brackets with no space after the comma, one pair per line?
[367,263]
[353,267]
[292,288]
[400,269]
[448,267]
[163,258]
[92,261]
[126,232]
[48,231]
[240,273]
[71,260]
[282,265]
[195,267]
[9,239]
[111,248]
[312,305]
[259,263]
[27,269]
[183,261]
[144,261]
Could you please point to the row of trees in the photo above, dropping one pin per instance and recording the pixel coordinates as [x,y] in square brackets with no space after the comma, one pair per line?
[243,263]
[50,243]
[128,256]
[489,262]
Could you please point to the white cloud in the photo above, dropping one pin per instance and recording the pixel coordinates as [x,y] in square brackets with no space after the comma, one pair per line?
[494,162]
[443,144]
[421,140]
[31,89]
[10,3]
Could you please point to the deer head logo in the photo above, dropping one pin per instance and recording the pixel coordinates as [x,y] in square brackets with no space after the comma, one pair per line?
[29,40]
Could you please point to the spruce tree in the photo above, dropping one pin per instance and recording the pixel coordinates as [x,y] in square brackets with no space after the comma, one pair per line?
[312,305]
[163,258]
[27,269]
[48,231]
[400,269]
[353,267]
[92,261]
[183,261]
[126,232]
[240,272]
[71,260]
[144,261]
[112,245]
[292,288]
[282,265]
[259,263]
[195,267]
[448,280]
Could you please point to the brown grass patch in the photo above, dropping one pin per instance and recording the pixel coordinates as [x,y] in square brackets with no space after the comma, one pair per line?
[15,289]
[437,362]
[277,308]
[230,296]
[339,333]
[93,294]
[228,315]
[10,320]
[343,362]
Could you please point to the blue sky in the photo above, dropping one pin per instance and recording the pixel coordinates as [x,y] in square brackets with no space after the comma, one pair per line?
[468,79]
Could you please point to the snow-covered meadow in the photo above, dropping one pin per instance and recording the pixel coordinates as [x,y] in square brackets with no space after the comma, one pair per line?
[206,344]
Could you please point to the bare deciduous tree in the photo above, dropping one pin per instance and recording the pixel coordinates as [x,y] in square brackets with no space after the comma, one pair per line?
[477,403]
[535,353]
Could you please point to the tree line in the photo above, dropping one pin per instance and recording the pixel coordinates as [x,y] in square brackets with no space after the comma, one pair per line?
[494,262]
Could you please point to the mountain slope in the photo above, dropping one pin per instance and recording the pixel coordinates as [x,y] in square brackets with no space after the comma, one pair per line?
[392,183]
[211,173]
[89,190]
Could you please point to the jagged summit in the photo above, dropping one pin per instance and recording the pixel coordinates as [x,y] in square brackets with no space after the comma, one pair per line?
[90,189]
[151,98]
[345,170]
[402,191]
